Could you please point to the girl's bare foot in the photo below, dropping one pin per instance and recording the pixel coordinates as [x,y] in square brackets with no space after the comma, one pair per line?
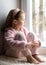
[31,59]
[37,58]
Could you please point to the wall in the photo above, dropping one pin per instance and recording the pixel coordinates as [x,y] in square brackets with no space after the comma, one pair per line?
[5,6]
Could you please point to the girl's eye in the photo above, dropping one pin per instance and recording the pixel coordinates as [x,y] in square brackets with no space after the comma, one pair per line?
[22,19]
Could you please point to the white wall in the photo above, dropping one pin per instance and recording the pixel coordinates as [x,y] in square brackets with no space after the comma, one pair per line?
[5,6]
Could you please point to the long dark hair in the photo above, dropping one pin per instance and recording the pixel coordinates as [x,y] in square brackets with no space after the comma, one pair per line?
[11,16]
[9,19]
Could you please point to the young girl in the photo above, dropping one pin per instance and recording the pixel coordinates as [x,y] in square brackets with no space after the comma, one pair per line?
[18,41]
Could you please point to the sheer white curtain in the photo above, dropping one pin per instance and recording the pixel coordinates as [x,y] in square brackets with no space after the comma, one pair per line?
[36,17]
[39,19]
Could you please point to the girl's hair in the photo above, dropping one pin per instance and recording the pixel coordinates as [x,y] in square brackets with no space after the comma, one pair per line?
[13,14]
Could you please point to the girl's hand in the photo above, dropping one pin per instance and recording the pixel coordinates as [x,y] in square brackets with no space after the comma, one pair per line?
[37,43]
[30,45]
[34,44]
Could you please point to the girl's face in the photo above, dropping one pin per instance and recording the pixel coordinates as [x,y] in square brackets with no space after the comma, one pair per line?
[21,19]
[20,22]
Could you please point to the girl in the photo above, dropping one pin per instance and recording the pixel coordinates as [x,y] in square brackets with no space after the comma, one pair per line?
[18,41]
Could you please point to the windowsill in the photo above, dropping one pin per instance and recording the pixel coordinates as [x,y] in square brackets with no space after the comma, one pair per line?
[43,44]
[42,50]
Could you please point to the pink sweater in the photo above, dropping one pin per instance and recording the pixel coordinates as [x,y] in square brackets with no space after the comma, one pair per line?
[11,39]
[16,41]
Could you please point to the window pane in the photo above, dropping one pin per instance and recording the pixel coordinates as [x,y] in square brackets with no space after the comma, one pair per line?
[39,19]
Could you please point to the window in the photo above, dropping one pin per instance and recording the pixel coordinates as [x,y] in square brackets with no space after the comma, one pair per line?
[36,17]
[39,19]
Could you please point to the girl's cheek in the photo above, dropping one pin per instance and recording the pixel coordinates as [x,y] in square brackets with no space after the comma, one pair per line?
[22,23]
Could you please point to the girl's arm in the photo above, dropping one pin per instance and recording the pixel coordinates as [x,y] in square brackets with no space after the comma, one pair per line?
[29,35]
[9,38]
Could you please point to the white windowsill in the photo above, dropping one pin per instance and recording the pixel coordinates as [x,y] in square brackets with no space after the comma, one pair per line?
[42,50]
[43,44]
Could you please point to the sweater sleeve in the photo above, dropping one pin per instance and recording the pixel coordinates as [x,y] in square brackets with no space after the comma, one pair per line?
[9,38]
[31,36]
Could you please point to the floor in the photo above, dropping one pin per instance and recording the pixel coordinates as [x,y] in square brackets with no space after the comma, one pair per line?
[12,61]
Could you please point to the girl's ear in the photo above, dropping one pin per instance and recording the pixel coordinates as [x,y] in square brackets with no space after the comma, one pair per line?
[14,22]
